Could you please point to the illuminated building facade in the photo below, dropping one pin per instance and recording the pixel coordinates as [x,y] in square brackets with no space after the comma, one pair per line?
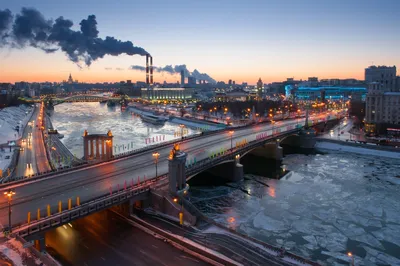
[322,93]
[167,93]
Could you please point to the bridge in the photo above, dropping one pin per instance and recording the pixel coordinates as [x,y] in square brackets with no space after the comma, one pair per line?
[43,196]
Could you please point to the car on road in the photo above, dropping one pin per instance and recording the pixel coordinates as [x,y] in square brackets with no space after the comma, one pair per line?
[21,149]
[7,157]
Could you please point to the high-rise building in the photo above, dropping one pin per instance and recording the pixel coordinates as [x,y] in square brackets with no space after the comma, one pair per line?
[191,81]
[182,78]
[382,108]
[70,80]
[383,74]
[230,82]
[260,86]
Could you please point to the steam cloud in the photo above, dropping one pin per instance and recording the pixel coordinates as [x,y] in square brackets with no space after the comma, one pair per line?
[31,28]
[177,70]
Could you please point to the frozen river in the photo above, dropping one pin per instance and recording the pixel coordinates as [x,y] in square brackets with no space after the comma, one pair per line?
[330,205]
[71,119]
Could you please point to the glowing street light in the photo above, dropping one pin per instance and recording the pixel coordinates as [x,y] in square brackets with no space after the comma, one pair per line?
[231,133]
[9,194]
[352,258]
[155,156]
[181,126]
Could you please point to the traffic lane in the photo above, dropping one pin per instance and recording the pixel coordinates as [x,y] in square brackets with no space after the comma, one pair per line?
[40,151]
[26,156]
[93,190]
[104,238]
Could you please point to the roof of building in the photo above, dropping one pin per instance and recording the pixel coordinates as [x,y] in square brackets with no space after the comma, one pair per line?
[392,93]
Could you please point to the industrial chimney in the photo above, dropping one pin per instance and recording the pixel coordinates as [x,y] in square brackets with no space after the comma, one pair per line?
[147,69]
[151,70]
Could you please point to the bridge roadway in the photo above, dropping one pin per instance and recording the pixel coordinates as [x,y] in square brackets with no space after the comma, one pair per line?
[96,180]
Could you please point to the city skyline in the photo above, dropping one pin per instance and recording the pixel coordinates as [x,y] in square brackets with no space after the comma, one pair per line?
[226,40]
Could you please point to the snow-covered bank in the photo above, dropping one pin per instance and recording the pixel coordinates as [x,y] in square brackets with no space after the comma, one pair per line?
[15,252]
[196,124]
[322,145]
[10,119]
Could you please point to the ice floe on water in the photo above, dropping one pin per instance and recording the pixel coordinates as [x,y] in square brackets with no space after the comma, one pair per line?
[336,203]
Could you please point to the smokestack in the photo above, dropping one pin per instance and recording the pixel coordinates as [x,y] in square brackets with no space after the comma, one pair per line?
[182,78]
[147,69]
[151,70]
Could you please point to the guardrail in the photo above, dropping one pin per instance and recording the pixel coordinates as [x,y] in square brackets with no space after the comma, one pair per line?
[230,154]
[147,185]
[80,211]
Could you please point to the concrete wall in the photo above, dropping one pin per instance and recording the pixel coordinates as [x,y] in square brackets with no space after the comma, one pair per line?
[164,203]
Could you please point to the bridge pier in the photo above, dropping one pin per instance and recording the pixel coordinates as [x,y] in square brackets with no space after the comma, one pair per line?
[176,171]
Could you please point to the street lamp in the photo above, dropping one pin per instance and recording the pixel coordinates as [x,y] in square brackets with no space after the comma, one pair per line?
[181,126]
[231,133]
[156,155]
[352,258]
[9,194]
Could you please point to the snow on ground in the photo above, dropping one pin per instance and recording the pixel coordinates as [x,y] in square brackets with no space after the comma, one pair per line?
[10,118]
[196,124]
[4,163]
[14,251]
[359,150]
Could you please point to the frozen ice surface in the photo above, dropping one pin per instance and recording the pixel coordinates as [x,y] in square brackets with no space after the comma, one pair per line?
[310,239]
[333,242]
[267,223]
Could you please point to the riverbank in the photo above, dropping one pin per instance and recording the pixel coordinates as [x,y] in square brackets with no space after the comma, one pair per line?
[358,148]
[13,121]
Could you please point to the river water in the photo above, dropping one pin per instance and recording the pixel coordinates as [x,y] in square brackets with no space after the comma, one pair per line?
[129,131]
[329,204]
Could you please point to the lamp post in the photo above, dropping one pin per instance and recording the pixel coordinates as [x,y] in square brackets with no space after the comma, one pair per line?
[231,133]
[181,126]
[156,155]
[9,194]
[352,258]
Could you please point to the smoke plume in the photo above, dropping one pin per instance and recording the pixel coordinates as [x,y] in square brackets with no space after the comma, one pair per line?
[177,70]
[31,28]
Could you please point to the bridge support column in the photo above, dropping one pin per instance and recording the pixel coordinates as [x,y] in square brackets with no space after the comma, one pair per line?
[97,148]
[91,149]
[238,173]
[85,149]
[40,242]
[103,150]
[176,170]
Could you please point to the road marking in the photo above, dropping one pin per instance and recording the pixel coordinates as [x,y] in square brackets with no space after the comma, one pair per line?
[103,258]
[85,246]
[154,246]
[185,257]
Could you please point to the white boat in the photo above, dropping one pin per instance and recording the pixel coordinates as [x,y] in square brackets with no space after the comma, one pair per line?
[154,119]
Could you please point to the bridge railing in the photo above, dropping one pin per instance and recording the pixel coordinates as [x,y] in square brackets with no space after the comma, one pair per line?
[66,169]
[113,198]
[60,218]
[231,153]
